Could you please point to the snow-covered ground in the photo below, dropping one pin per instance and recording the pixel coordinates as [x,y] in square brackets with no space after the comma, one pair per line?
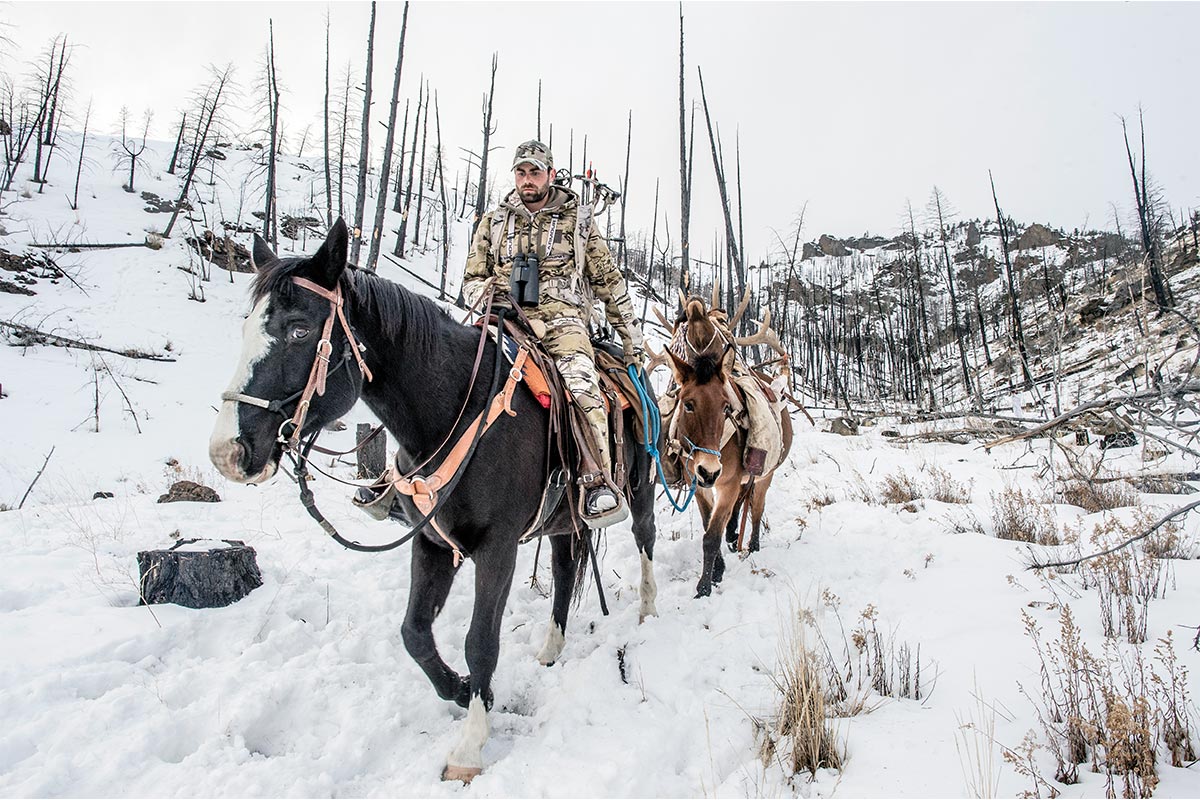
[304,687]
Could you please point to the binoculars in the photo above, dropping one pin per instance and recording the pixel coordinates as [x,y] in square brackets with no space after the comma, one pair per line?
[523,285]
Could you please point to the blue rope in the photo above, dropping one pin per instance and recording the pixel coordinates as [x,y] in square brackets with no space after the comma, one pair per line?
[653,427]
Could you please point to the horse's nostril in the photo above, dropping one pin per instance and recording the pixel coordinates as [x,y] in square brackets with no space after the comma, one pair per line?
[706,476]
[242,454]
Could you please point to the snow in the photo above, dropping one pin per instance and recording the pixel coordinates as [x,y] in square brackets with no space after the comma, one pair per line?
[304,687]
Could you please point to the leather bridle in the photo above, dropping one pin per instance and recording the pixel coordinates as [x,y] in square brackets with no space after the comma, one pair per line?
[317,375]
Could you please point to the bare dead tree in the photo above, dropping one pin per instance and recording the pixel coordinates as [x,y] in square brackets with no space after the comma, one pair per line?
[685,183]
[87,117]
[1010,284]
[211,104]
[130,145]
[397,194]
[344,118]
[360,198]
[416,228]
[488,129]
[539,113]
[178,142]
[270,230]
[731,242]
[385,168]
[445,209]
[325,124]
[402,233]
[1149,219]
[622,253]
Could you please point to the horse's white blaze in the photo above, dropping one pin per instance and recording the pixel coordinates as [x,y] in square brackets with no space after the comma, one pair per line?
[649,590]
[469,752]
[256,343]
[553,646]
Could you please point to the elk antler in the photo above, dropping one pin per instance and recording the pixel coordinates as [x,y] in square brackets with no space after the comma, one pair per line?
[666,325]
[764,335]
[741,309]
[656,360]
[716,292]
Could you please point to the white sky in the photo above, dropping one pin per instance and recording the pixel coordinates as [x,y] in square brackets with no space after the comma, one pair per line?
[854,108]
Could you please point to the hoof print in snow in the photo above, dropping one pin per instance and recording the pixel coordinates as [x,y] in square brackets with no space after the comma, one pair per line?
[198,578]
[189,491]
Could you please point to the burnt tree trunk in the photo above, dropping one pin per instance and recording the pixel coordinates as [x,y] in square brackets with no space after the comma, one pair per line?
[385,168]
[360,198]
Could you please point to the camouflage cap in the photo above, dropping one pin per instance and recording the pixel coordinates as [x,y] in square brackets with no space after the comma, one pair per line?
[534,152]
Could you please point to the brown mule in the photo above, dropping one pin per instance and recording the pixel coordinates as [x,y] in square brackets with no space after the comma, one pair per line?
[711,446]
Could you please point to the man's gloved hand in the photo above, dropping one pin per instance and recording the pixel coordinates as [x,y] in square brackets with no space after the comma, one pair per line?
[634,356]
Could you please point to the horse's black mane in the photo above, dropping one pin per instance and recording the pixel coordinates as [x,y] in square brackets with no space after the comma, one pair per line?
[401,314]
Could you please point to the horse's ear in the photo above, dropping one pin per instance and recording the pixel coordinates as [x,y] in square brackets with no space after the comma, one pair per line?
[261,254]
[727,360]
[680,369]
[330,260]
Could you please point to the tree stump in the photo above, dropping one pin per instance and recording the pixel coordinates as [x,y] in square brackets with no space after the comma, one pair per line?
[372,457]
[199,578]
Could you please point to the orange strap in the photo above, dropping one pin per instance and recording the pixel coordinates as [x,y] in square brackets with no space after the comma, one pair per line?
[423,489]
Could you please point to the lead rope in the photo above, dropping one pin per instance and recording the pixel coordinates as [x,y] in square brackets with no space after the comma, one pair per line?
[653,428]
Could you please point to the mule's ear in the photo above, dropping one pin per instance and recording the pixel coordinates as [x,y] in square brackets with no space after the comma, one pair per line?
[680,369]
[261,254]
[725,369]
[330,260]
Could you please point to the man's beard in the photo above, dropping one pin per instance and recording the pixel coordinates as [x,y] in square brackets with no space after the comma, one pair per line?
[537,196]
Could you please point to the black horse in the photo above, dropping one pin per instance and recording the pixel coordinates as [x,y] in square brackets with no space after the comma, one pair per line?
[420,364]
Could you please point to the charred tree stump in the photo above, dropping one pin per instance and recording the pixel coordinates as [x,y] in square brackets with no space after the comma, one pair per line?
[211,578]
[372,456]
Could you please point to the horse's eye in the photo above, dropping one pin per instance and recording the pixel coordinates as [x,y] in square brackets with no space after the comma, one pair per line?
[298,333]
[689,406]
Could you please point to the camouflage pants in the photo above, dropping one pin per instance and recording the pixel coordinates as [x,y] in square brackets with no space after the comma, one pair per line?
[566,340]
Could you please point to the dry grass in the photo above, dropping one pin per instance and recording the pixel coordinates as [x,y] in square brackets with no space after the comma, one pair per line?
[1125,581]
[798,735]
[1094,496]
[1110,712]
[1020,516]
[901,488]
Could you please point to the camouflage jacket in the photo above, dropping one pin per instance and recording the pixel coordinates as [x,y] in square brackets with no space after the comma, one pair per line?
[565,287]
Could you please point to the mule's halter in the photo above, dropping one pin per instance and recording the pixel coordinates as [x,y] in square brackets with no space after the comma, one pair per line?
[320,368]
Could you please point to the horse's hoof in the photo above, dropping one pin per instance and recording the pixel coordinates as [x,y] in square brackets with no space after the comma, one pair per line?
[703,590]
[464,774]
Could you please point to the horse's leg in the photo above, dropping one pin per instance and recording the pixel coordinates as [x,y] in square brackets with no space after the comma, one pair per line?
[644,533]
[433,572]
[758,502]
[717,518]
[731,528]
[494,566]
[563,566]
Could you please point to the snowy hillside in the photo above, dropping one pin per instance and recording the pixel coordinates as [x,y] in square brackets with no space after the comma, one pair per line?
[885,554]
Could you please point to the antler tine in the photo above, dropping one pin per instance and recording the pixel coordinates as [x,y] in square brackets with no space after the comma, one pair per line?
[764,335]
[682,298]
[656,359]
[716,291]
[666,325]
[741,309]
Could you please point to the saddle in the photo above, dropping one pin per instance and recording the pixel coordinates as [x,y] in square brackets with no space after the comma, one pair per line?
[566,419]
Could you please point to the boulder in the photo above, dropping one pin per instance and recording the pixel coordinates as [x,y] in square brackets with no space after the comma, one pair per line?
[1038,235]
[831,246]
[844,426]
[189,491]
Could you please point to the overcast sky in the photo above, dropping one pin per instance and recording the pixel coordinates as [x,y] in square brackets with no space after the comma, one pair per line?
[853,108]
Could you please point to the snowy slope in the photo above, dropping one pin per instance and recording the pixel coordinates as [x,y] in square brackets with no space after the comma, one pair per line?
[304,687]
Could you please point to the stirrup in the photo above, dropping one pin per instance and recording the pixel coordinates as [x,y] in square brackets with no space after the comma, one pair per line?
[377,502]
[603,519]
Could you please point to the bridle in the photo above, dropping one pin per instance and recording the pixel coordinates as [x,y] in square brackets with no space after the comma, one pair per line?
[289,438]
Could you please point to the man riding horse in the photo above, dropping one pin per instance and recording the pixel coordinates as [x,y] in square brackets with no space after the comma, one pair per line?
[540,246]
